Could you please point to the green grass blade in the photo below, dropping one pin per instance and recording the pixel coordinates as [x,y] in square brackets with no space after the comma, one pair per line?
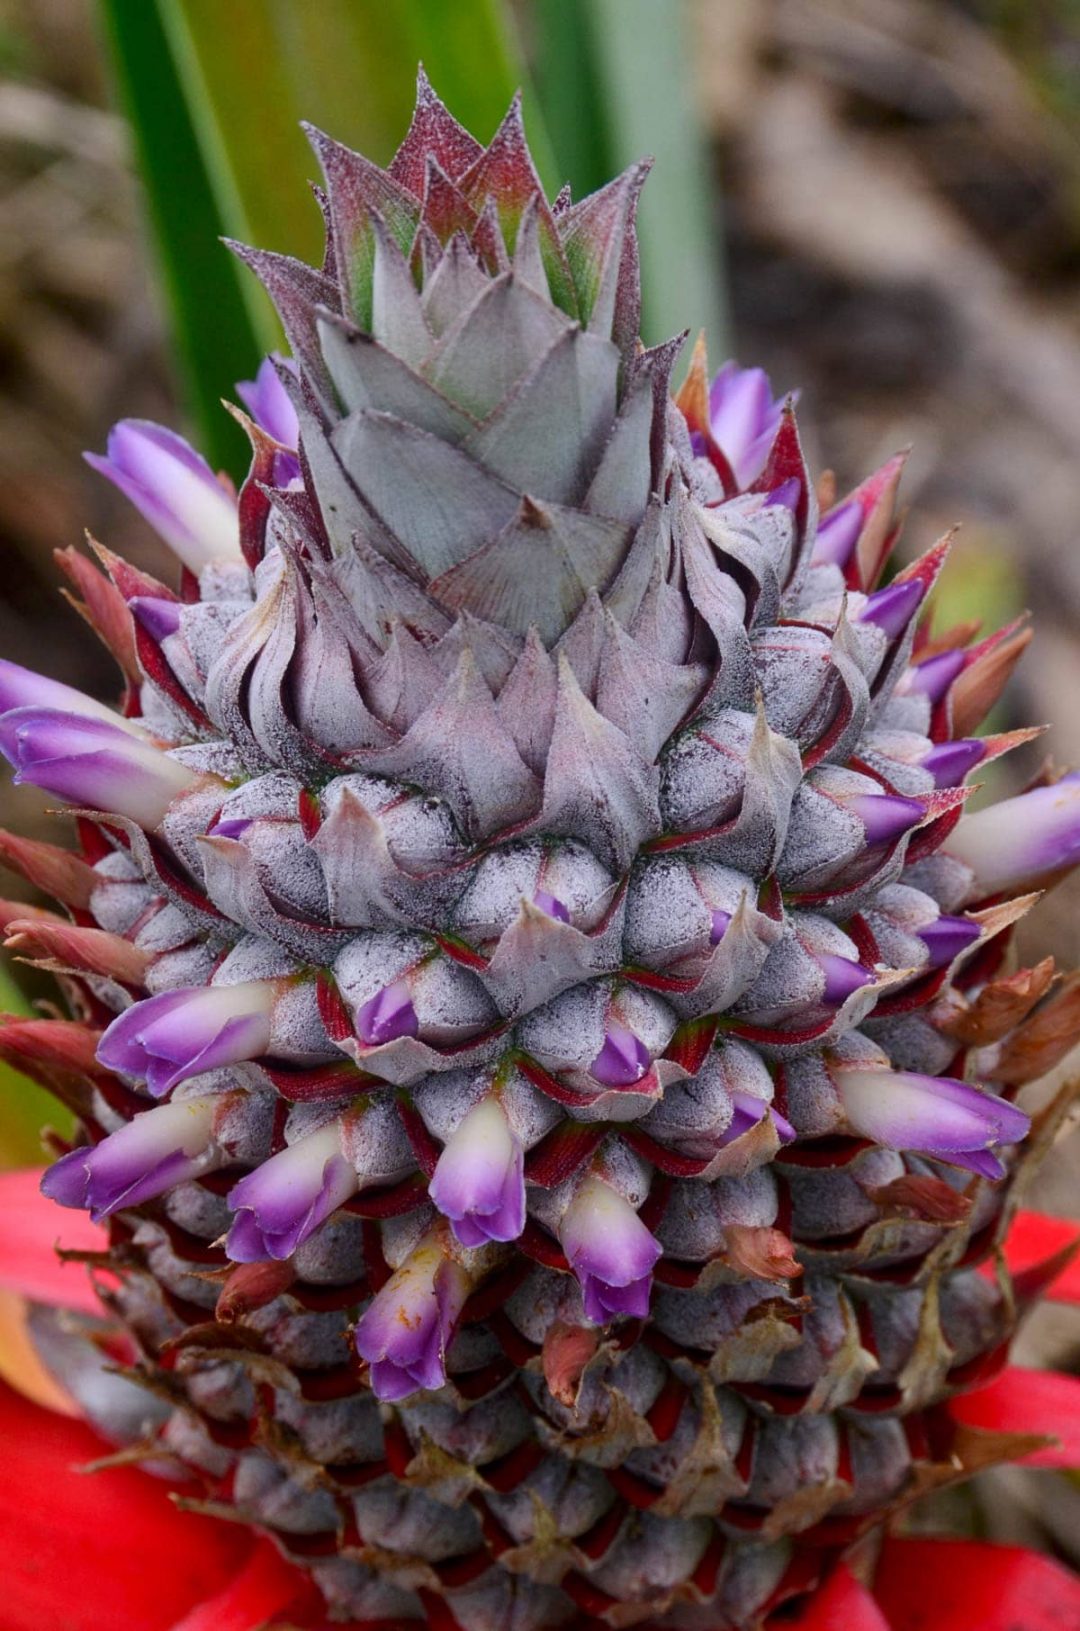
[25,1108]
[218,328]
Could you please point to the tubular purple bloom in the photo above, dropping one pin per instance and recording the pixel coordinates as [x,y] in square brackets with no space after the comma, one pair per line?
[947,937]
[405,1331]
[623,1059]
[933,677]
[934,1115]
[174,488]
[267,401]
[950,762]
[843,978]
[90,762]
[179,1034]
[22,688]
[479,1182]
[552,905]
[1009,844]
[837,534]
[893,607]
[283,1202]
[160,618]
[886,816]
[150,1153]
[387,1015]
[611,1252]
[744,417]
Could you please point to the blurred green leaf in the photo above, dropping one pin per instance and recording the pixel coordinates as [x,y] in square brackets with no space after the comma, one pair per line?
[218,328]
[616,81]
[25,1108]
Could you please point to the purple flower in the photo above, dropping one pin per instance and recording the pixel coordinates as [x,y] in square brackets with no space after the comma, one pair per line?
[1021,839]
[146,1156]
[885,816]
[611,1252]
[387,1015]
[283,1202]
[90,762]
[843,978]
[719,923]
[267,401]
[622,1060]
[744,417]
[179,1034]
[174,489]
[405,1331]
[747,1111]
[947,937]
[837,534]
[479,1182]
[22,688]
[159,617]
[893,607]
[950,762]
[933,677]
[933,1115]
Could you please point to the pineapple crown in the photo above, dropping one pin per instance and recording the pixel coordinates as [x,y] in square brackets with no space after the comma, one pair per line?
[526,895]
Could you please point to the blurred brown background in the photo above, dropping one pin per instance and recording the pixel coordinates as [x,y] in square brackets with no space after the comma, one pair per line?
[901,210]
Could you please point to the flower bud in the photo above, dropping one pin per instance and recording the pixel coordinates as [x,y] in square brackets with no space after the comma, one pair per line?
[179,1034]
[611,1252]
[283,1202]
[155,1150]
[479,1181]
[1009,844]
[405,1331]
[174,489]
[88,762]
[934,1115]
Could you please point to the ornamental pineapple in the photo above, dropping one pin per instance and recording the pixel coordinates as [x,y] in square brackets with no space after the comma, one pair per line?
[541,1036]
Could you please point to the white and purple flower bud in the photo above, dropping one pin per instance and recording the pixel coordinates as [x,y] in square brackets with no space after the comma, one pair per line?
[719,922]
[387,1015]
[933,677]
[479,1181]
[267,401]
[174,489]
[281,1203]
[148,1155]
[947,937]
[623,1059]
[22,688]
[405,1332]
[1021,839]
[178,1034]
[87,761]
[932,1115]
[838,533]
[744,417]
[611,1252]
[892,608]
[950,762]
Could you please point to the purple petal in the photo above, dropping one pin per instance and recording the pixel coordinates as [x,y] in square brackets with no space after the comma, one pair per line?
[842,977]
[933,677]
[1020,839]
[552,905]
[947,937]
[950,762]
[145,1157]
[936,1115]
[387,1015]
[893,607]
[168,1038]
[174,489]
[623,1059]
[159,617]
[837,534]
[886,816]
[719,922]
[267,401]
